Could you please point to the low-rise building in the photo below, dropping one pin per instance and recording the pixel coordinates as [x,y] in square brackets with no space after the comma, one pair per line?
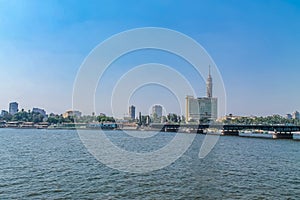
[40,111]
[14,124]
[2,124]
[72,113]
[3,113]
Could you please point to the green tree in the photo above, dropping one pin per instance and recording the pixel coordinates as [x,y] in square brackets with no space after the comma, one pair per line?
[103,118]
[172,117]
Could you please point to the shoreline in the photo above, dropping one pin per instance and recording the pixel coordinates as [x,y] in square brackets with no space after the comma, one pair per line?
[296,136]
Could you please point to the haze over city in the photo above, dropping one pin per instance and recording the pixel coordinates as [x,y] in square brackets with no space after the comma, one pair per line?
[254,44]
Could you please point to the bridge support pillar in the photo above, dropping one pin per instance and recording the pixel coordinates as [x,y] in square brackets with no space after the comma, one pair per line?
[282,136]
[166,129]
[200,131]
[230,132]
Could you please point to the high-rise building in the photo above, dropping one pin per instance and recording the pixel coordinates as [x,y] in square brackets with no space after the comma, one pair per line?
[201,108]
[132,112]
[296,115]
[40,111]
[204,108]
[157,111]
[13,108]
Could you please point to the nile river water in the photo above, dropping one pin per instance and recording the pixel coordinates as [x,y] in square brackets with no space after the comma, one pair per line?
[54,164]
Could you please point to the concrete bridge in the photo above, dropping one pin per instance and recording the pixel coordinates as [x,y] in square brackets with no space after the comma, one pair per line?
[279,131]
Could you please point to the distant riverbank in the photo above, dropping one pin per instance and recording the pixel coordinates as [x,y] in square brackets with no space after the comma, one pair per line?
[114,126]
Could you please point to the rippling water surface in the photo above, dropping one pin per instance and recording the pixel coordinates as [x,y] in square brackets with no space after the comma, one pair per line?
[53,164]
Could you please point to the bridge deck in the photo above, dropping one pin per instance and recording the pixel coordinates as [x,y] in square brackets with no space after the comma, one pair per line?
[230,127]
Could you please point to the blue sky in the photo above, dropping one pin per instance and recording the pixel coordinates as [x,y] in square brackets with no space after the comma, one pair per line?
[255,44]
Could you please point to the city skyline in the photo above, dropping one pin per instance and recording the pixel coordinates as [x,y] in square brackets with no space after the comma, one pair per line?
[155,109]
[254,44]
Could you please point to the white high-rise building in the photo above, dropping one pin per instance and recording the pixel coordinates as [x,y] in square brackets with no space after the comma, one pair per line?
[201,108]
[296,115]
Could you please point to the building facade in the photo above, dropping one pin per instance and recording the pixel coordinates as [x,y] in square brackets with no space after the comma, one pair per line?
[132,112]
[40,111]
[3,113]
[296,115]
[289,116]
[157,111]
[202,109]
[72,113]
[13,108]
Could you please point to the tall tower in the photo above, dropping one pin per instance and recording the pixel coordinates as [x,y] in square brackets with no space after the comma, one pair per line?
[209,85]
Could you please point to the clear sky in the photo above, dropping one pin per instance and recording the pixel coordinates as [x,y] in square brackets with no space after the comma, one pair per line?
[255,44]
